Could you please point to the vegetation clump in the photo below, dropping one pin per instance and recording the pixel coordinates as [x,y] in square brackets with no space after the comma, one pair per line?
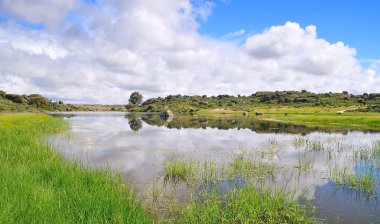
[178,171]
[247,205]
[366,183]
[228,194]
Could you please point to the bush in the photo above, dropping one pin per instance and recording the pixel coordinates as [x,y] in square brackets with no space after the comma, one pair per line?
[38,100]
[16,98]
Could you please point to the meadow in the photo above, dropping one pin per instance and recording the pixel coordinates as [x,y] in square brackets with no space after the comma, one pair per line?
[339,117]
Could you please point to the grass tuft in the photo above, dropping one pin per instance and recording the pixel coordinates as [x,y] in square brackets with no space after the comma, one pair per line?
[246,205]
[366,183]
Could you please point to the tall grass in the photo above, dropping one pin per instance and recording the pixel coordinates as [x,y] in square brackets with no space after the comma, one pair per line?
[305,163]
[246,205]
[177,171]
[38,186]
[366,183]
[242,166]
[214,197]
[369,152]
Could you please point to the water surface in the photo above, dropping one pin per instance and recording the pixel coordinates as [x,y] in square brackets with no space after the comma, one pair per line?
[138,144]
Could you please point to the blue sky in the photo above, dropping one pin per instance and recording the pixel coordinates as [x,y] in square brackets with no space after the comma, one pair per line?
[89,51]
[354,22]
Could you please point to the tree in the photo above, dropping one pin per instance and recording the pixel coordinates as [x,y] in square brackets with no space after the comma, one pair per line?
[135,124]
[136,98]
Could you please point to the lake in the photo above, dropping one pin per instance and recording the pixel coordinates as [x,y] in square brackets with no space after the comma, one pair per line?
[308,159]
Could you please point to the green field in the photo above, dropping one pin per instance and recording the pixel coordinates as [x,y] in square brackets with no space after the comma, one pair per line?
[311,116]
[38,186]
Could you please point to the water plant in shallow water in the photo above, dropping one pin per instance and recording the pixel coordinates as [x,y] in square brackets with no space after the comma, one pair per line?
[299,142]
[177,171]
[229,194]
[369,152]
[246,205]
[242,166]
[304,162]
[315,145]
[366,183]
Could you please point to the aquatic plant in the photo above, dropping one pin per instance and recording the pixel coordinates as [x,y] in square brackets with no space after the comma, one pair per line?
[246,205]
[177,171]
[304,162]
[369,152]
[366,183]
[299,142]
[314,145]
[243,166]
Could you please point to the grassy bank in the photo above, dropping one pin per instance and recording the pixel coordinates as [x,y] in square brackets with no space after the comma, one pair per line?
[311,116]
[38,186]
[354,121]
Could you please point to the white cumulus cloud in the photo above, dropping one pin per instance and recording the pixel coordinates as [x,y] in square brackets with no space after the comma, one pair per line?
[104,51]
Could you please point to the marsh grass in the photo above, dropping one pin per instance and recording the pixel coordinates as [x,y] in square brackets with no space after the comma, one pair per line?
[369,152]
[305,163]
[38,186]
[299,142]
[177,171]
[315,145]
[366,183]
[243,166]
[228,194]
[246,205]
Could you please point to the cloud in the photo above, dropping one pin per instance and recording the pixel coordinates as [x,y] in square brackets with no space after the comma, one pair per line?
[101,52]
[38,11]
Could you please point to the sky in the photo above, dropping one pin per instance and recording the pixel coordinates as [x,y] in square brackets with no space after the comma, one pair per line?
[100,51]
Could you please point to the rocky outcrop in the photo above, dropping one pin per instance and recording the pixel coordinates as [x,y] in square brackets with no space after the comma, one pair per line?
[301,100]
[167,114]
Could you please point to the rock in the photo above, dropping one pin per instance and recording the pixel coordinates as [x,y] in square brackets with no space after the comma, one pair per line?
[301,100]
[245,113]
[373,96]
[166,115]
[259,113]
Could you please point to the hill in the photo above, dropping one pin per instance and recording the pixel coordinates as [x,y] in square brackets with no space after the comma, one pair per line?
[192,104]
[296,99]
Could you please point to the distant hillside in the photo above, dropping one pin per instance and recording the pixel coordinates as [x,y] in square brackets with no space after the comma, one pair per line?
[38,103]
[191,104]
[22,103]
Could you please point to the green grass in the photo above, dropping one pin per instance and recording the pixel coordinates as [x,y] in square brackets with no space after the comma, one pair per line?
[369,153]
[209,203]
[366,183]
[246,205]
[311,116]
[304,164]
[359,121]
[242,166]
[177,171]
[38,186]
